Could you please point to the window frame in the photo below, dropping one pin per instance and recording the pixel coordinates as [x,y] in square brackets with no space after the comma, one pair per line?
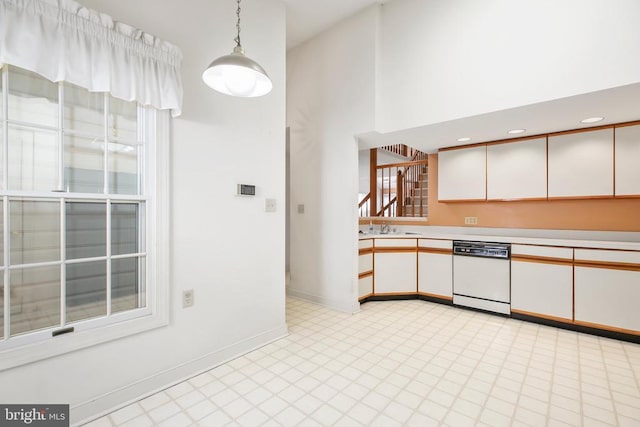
[37,345]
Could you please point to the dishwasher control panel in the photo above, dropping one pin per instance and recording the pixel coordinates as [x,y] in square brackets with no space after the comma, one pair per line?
[482,249]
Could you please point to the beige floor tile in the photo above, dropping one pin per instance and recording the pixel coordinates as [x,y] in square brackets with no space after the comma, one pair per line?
[410,363]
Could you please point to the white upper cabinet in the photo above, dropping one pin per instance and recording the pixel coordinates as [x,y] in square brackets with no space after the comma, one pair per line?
[581,164]
[517,170]
[462,174]
[628,161]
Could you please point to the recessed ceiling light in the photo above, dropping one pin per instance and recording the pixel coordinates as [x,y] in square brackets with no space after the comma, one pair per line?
[592,120]
[465,139]
[515,131]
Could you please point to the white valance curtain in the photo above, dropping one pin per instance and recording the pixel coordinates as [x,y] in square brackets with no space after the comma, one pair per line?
[64,41]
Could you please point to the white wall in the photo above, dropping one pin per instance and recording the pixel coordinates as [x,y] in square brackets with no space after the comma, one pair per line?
[330,97]
[384,157]
[443,60]
[224,247]
[411,63]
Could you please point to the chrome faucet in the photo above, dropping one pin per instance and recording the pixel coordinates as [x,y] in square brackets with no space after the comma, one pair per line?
[384,228]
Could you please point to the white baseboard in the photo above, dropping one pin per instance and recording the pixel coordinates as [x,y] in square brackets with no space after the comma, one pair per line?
[116,399]
[326,302]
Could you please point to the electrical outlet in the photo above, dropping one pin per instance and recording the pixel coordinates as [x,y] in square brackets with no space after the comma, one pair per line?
[471,220]
[187,298]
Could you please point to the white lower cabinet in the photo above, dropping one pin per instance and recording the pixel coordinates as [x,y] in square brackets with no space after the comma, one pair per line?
[395,266]
[607,289]
[365,286]
[542,281]
[365,268]
[435,268]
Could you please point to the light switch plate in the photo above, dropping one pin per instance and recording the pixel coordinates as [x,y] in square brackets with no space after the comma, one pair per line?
[300,209]
[270,205]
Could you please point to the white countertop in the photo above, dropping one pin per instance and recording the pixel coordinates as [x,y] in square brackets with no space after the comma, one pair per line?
[568,238]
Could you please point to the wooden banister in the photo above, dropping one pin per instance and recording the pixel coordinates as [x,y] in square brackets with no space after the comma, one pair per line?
[364,200]
[386,207]
[397,189]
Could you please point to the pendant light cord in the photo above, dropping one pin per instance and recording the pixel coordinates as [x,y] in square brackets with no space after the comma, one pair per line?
[237,39]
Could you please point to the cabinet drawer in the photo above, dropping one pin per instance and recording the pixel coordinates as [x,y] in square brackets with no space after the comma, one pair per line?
[365,263]
[436,244]
[395,243]
[365,243]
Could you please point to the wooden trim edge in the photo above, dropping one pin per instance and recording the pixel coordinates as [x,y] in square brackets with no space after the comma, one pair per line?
[607,328]
[627,266]
[365,274]
[460,200]
[439,251]
[542,316]
[427,294]
[395,249]
[542,259]
[596,197]
[365,251]
[390,294]
[365,296]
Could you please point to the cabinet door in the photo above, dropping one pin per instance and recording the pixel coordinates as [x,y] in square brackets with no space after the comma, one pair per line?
[462,174]
[365,268]
[365,263]
[542,282]
[581,164]
[395,266]
[607,289]
[628,161]
[365,287]
[435,269]
[517,170]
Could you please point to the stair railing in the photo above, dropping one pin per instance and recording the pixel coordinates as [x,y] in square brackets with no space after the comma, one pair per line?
[364,207]
[399,149]
[398,184]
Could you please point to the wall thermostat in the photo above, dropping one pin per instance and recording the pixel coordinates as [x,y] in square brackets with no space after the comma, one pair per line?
[246,190]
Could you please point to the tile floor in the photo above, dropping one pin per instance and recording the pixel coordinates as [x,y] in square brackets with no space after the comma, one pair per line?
[408,363]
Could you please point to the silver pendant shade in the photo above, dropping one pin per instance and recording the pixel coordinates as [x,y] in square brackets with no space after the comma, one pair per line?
[236,74]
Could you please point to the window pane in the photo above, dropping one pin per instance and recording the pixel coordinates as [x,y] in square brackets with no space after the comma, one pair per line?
[35,299]
[125,292]
[123,168]
[35,231]
[83,110]
[2,142]
[84,164]
[123,119]
[1,132]
[1,304]
[33,159]
[124,228]
[86,229]
[1,234]
[32,98]
[86,290]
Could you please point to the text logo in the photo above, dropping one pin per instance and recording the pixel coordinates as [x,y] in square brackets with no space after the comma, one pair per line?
[34,415]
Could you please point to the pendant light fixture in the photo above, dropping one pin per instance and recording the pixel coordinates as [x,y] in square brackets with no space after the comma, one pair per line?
[237,75]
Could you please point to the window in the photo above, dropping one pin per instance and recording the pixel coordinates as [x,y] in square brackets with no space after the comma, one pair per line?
[77,185]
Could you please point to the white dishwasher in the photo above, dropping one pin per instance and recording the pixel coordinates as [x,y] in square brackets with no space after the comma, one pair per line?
[482,275]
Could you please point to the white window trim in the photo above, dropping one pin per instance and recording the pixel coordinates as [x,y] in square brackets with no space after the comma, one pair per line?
[158,269]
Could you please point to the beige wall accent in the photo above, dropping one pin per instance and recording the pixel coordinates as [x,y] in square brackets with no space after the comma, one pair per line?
[605,214]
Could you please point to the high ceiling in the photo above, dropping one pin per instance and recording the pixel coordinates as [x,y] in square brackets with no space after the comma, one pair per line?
[306,18]
[616,105]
